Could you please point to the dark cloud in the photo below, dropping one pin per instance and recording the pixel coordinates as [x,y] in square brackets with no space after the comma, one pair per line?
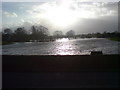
[109,24]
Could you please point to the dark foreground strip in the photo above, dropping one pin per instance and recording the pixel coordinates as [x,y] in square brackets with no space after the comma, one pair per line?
[12,63]
[38,72]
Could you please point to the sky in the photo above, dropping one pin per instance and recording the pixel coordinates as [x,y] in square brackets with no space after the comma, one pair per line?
[82,16]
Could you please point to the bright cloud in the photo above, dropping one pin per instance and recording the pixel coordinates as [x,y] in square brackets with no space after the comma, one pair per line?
[73,9]
[10,14]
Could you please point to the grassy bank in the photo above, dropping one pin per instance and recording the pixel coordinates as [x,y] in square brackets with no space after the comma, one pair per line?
[115,39]
[6,43]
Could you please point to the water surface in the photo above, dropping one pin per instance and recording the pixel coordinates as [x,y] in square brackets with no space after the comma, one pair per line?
[63,47]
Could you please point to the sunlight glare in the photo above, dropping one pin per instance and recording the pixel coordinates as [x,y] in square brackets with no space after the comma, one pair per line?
[62,40]
[63,16]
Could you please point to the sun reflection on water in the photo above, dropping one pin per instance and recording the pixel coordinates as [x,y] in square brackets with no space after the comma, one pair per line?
[64,47]
[62,40]
[64,50]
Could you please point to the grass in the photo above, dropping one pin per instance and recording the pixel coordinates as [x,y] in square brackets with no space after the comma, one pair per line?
[115,39]
[6,43]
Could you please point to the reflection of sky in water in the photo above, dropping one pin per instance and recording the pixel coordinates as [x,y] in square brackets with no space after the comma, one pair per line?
[63,47]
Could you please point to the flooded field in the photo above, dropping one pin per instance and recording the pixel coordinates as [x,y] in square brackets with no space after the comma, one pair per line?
[63,47]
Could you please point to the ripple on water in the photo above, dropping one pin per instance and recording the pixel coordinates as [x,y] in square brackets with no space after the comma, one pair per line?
[69,47]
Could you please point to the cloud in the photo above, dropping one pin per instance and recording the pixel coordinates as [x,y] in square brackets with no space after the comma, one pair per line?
[91,16]
[42,8]
[106,23]
[101,16]
[98,8]
[99,0]
[0,11]
[10,14]
[26,0]
[93,9]
[22,20]
[59,0]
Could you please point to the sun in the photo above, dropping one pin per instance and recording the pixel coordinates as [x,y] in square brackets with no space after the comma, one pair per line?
[61,16]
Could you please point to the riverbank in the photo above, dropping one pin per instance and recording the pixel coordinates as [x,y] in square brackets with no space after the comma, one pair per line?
[115,39]
[7,43]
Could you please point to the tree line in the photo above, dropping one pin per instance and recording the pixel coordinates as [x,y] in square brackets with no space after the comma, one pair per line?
[41,34]
[36,33]
[100,35]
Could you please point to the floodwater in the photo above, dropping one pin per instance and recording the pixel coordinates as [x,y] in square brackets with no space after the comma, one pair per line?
[63,47]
